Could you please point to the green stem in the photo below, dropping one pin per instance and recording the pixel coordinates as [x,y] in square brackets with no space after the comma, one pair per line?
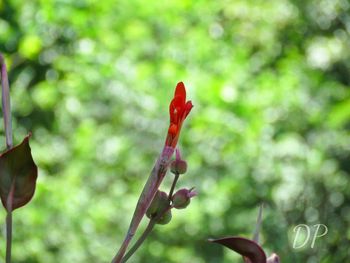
[141,239]
[173,186]
[9,223]
[8,236]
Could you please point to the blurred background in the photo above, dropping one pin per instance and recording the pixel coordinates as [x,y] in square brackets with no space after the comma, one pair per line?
[270,82]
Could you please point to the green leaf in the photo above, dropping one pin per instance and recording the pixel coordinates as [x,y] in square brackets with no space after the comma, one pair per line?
[18,172]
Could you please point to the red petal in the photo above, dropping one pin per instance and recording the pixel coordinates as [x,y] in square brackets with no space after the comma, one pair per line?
[172,129]
[180,91]
[178,101]
[172,108]
[175,109]
[188,107]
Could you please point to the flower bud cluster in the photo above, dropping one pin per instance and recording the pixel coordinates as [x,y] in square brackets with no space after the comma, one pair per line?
[160,208]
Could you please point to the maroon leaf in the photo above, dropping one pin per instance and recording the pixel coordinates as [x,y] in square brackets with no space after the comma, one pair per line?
[246,247]
[18,174]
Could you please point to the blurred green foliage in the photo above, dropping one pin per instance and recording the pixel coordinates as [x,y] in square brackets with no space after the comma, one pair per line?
[270,83]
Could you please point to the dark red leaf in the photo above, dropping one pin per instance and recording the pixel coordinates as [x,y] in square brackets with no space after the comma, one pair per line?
[246,247]
[19,172]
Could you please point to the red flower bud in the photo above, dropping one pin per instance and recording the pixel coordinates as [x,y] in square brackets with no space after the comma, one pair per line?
[179,108]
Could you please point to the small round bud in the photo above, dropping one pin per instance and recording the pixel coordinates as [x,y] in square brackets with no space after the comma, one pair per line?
[178,167]
[160,203]
[182,198]
[166,218]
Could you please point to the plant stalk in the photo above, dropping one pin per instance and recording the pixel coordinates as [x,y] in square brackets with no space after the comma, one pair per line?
[8,236]
[9,223]
[6,109]
[145,199]
[139,242]
[6,103]
[150,225]
[171,192]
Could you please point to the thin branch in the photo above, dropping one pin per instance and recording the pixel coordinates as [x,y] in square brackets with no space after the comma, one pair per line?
[177,175]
